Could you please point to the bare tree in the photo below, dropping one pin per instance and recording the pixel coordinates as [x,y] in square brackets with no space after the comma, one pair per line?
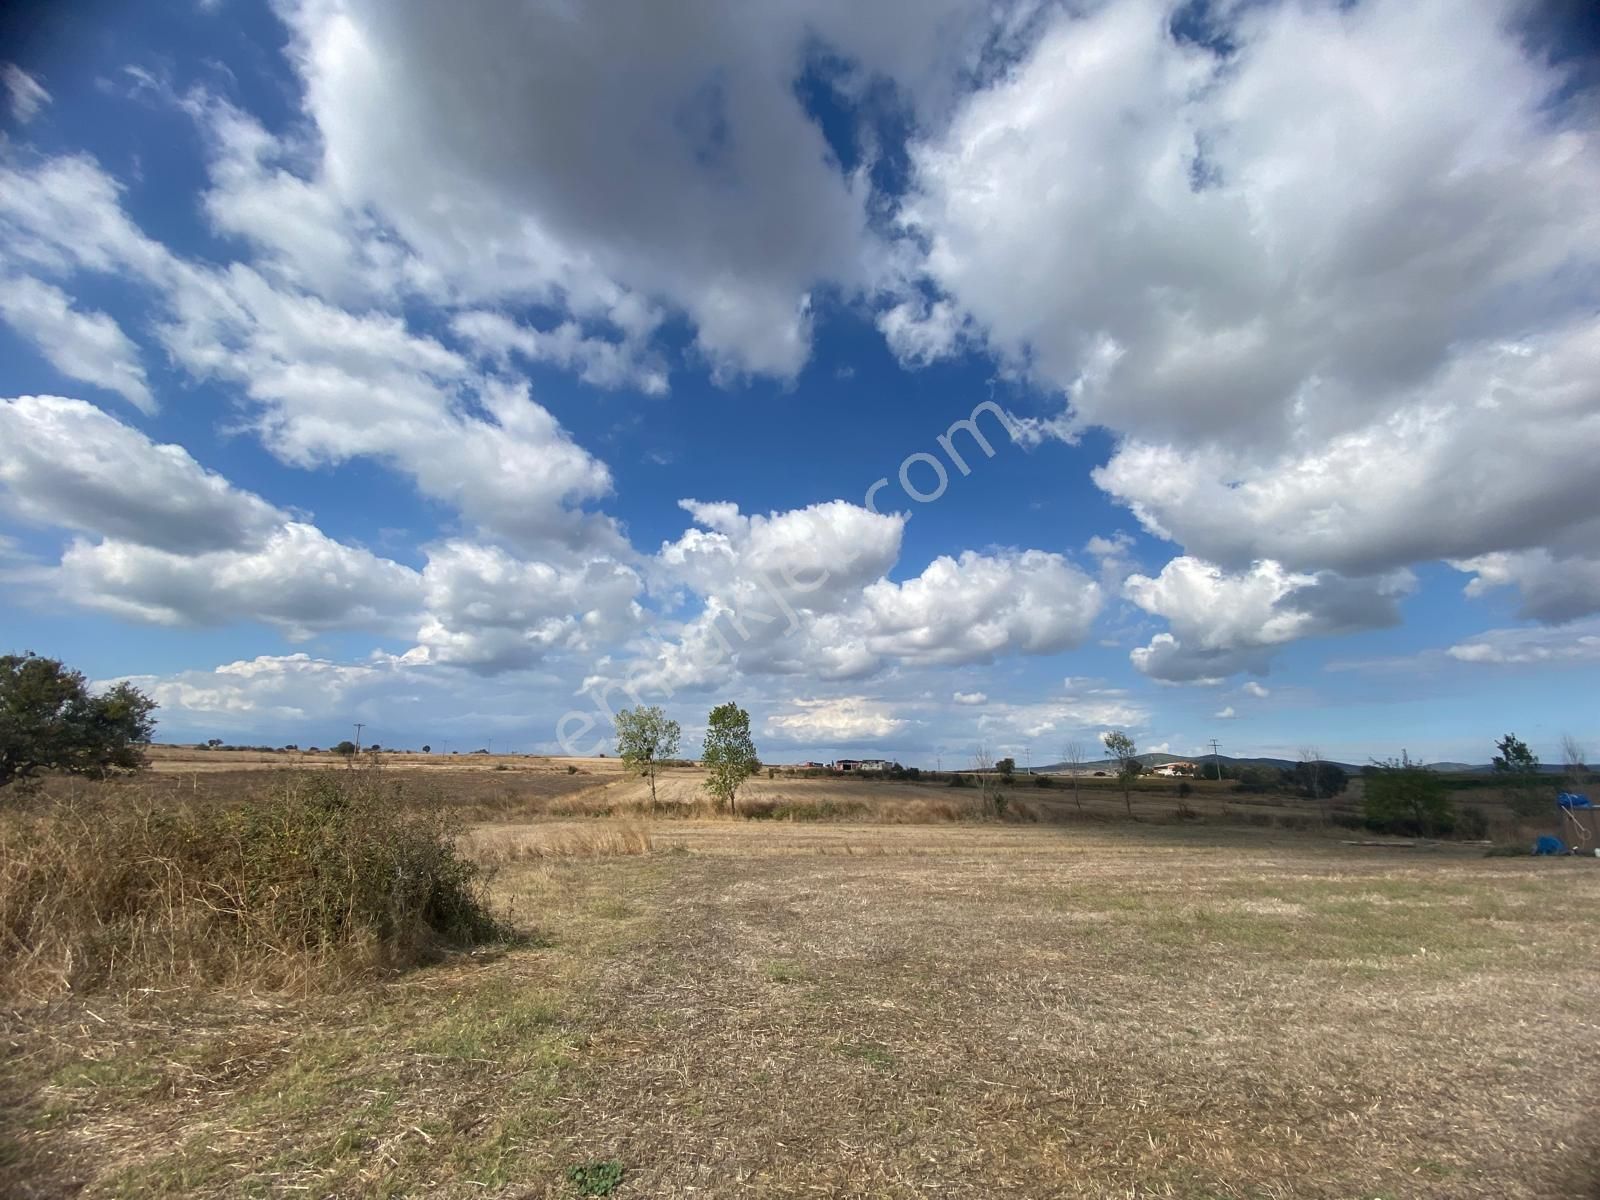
[1312,758]
[1073,754]
[983,764]
[1573,757]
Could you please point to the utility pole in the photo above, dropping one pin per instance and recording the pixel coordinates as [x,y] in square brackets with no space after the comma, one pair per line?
[1215,761]
[360,725]
[1027,758]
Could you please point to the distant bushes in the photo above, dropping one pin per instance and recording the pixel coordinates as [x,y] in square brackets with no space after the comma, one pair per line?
[321,870]
[1402,796]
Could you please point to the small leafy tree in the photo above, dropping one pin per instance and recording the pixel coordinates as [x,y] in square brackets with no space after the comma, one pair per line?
[1402,796]
[1007,768]
[730,755]
[426,749]
[1121,748]
[645,736]
[1518,767]
[1515,758]
[346,748]
[50,722]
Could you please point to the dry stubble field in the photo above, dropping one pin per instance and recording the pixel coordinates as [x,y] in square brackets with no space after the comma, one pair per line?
[778,1009]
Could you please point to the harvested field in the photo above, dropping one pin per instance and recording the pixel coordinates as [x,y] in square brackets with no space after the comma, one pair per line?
[787,1009]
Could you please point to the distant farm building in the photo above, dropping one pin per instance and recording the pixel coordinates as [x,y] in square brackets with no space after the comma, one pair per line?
[857,766]
[1175,768]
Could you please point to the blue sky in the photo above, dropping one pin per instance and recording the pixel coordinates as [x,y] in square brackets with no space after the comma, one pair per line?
[467,377]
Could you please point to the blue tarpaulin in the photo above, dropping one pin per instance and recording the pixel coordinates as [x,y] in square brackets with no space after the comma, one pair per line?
[1549,845]
[1573,800]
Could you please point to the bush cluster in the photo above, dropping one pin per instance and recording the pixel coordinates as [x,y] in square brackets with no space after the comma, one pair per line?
[321,870]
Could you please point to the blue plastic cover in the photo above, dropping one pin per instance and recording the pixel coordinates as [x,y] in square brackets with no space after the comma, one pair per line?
[1549,845]
[1573,800]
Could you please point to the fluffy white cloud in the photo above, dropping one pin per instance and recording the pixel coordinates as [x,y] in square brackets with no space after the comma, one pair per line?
[87,346]
[287,687]
[970,698]
[65,213]
[1252,688]
[819,555]
[843,721]
[1216,260]
[1434,479]
[68,463]
[1554,587]
[401,699]
[24,93]
[1225,622]
[804,593]
[491,612]
[1078,715]
[181,545]
[1335,295]
[326,384]
[597,360]
[297,578]
[1575,645]
[1225,713]
[331,385]
[653,153]
[977,607]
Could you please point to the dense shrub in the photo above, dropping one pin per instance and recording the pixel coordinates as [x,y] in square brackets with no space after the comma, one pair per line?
[1401,796]
[320,870]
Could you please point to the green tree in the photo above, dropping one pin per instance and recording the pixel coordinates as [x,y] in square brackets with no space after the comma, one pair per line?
[1401,796]
[346,748]
[645,736]
[1121,748]
[730,755]
[49,721]
[1007,768]
[1518,767]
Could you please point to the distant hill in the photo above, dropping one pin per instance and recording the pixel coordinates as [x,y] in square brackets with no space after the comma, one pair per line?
[1205,760]
[1157,759]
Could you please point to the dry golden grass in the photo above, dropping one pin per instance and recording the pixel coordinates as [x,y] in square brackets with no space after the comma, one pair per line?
[500,844]
[795,1009]
[318,873]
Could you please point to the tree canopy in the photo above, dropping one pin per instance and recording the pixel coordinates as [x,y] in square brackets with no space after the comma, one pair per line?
[1515,758]
[729,755]
[645,736]
[1402,796]
[1121,748]
[50,722]
[1317,779]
